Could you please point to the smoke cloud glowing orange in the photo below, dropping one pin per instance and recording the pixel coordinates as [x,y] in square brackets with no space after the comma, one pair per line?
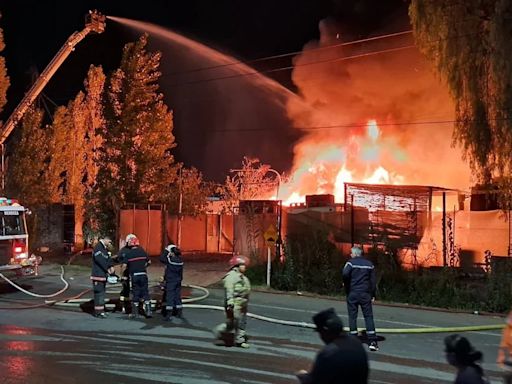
[370,120]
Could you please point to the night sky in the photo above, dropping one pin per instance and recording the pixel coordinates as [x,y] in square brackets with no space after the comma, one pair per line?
[34,30]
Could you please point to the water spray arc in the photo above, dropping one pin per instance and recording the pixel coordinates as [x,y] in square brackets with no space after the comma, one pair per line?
[204,111]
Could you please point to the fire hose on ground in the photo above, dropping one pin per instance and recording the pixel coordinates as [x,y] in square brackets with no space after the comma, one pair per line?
[66,286]
[77,301]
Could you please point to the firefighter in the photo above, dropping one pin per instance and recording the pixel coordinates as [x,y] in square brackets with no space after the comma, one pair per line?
[360,286]
[236,298]
[124,295]
[102,266]
[171,257]
[137,261]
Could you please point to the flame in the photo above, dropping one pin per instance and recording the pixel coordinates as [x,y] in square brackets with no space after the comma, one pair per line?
[323,167]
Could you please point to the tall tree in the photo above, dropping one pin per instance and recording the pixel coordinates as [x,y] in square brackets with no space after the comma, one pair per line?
[469,43]
[73,165]
[136,160]
[4,79]
[27,177]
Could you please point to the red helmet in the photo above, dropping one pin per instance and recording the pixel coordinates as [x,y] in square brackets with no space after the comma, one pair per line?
[132,240]
[237,260]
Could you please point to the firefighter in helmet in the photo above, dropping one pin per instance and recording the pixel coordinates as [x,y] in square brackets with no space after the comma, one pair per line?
[171,257]
[102,267]
[236,290]
[137,261]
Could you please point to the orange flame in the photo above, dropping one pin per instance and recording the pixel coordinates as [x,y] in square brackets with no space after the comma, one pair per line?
[323,167]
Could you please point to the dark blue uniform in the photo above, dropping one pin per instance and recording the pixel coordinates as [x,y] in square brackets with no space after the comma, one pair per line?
[124,295]
[171,257]
[360,285]
[101,262]
[137,261]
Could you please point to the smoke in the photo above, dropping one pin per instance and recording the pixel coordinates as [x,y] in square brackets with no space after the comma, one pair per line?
[397,89]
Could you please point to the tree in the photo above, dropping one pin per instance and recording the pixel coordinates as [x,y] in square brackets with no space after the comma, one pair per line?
[4,79]
[194,192]
[73,166]
[136,164]
[469,43]
[250,182]
[27,177]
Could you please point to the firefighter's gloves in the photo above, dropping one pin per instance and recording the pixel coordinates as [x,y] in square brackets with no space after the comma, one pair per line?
[230,303]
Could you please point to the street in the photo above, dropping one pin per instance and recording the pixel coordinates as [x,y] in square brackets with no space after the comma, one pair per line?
[44,344]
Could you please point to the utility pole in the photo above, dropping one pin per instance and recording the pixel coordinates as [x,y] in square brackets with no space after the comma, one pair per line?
[180,206]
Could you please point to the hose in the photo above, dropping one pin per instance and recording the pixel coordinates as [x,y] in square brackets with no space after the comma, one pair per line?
[72,302]
[66,286]
[379,330]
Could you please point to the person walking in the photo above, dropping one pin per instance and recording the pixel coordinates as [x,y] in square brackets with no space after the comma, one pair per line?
[171,257]
[343,359]
[360,286]
[137,261]
[102,267]
[237,288]
[461,354]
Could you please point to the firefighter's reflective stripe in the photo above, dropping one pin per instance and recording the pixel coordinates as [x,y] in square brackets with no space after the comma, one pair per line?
[139,273]
[137,259]
[97,278]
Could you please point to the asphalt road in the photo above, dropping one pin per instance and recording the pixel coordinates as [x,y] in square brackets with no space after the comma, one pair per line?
[43,344]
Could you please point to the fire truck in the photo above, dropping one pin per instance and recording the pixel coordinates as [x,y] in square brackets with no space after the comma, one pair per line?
[14,255]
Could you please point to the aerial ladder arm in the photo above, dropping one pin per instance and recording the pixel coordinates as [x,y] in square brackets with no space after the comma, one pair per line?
[95,22]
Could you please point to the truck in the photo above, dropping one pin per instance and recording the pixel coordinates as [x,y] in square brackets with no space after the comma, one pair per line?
[14,254]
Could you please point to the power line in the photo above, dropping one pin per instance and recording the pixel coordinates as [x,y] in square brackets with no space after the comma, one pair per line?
[362,125]
[344,58]
[348,125]
[296,65]
[248,62]
[340,126]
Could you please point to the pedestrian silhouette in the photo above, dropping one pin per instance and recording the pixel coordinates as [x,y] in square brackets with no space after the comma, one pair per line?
[343,359]
[461,354]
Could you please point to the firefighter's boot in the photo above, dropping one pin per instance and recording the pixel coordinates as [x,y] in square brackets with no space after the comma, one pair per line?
[135,310]
[168,314]
[147,309]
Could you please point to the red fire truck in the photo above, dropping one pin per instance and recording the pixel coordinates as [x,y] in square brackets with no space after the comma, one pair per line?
[14,254]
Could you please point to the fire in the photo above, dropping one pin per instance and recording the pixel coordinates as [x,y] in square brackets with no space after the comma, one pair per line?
[322,166]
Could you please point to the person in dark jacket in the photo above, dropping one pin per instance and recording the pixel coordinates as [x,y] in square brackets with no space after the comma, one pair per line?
[137,261]
[342,359]
[124,295]
[171,257]
[102,266]
[360,286]
[461,354]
